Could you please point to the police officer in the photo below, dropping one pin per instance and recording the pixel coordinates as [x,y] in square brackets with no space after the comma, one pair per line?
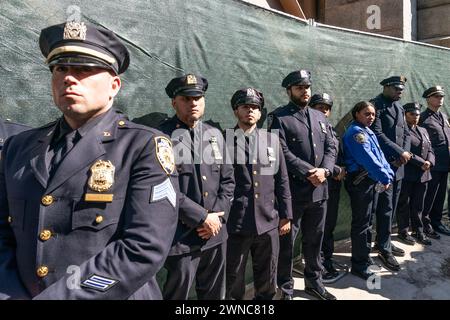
[310,155]
[88,203]
[262,181]
[393,135]
[417,175]
[323,102]
[207,182]
[8,129]
[367,167]
[438,127]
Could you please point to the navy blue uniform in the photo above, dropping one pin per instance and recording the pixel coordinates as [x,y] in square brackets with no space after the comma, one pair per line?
[307,144]
[334,192]
[102,222]
[261,197]
[363,153]
[393,135]
[8,129]
[438,128]
[207,186]
[414,185]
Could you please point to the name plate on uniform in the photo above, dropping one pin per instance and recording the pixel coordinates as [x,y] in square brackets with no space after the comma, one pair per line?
[96,197]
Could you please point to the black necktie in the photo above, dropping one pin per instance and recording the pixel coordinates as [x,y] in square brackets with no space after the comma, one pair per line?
[61,149]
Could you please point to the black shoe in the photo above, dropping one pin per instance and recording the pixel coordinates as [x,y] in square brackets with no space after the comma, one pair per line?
[432,234]
[320,293]
[389,261]
[421,238]
[363,274]
[286,296]
[442,229]
[396,251]
[406,238]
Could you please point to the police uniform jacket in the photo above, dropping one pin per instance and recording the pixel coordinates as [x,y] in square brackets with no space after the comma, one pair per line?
[391,130]
[340,154]
[8,129]
[51,236]
[262,195]
[422,151]
[362,152]
[305,146]
[206,187]
[438,128]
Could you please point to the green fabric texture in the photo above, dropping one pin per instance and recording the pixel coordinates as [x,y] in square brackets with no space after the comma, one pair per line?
[233,44]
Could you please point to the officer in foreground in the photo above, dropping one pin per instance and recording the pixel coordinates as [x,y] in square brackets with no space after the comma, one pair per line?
[262,206]
[393,135]
[367,167]
[415,182]
[88,203]
[310,155]
[9,129]
[207,185]
[438,128]
[324,102]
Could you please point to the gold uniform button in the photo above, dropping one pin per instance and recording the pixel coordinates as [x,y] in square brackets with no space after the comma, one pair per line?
[47,200]
[255,172]
[205,194]
[9,219]
[256,184]
[314,145]
[254,161]
[121,123]
[42,271]
[256,195]
[45,235]
[99,219]
[204,177]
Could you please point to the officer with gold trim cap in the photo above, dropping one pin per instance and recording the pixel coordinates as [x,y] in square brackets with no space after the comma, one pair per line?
[206,185]
[99,192]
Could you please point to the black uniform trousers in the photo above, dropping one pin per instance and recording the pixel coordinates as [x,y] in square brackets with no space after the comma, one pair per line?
[334,192]
[264,250]
[385,206]
[310,218]
[207,267]
[362,201]
[434,199]
[410,206]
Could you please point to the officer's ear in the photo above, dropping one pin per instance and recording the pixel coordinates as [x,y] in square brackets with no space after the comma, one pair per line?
[174,104]
[116,84]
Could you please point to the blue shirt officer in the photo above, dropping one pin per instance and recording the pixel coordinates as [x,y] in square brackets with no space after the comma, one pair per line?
[366,166]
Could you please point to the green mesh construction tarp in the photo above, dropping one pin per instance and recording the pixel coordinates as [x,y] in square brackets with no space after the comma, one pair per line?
[232,43]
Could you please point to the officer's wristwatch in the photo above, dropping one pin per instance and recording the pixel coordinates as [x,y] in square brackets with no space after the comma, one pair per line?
[327,172]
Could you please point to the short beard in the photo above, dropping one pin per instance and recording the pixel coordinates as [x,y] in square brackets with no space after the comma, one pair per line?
[299,102]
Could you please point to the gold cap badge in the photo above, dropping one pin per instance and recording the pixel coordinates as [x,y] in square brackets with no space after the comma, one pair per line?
[102,176]
[191,79]
[74,31]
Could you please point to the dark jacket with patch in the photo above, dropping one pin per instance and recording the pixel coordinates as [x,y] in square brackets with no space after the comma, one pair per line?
[128,245]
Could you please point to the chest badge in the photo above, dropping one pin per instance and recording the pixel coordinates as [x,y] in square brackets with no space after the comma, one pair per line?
[102,176]
[271,154]
[323,127]
[215,148]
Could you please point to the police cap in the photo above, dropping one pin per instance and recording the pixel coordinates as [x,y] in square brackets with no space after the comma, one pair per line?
[191,85]
[247,96]
[396,81]
[323,98]
[413,107]
[83,44]
[437,90]
[298,77]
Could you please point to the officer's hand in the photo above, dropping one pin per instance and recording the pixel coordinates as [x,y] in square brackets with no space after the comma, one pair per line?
[341,174]
[426,166]
[405,157]
[211,226]
[316,176]
[284,226]
[387,186]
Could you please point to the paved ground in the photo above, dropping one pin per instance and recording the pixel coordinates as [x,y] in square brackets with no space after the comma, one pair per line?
[424,275]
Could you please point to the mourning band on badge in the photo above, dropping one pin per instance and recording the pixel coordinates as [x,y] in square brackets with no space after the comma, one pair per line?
[360,138]
[164,154]
[271,154]
[323,127]
[215,148]
[100,180]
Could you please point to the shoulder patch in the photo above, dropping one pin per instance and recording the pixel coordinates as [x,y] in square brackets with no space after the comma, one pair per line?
[360,138]
[164,154]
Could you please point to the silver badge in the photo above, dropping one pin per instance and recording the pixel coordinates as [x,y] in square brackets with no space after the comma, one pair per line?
[74,31]
[271,154]
[323,127]
[215,148]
